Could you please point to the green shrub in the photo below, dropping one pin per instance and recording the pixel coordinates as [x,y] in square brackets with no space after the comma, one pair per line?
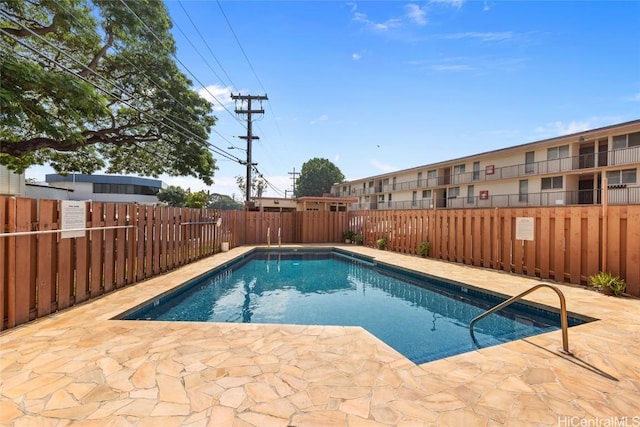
[358,238]
[381,243]
[608,283]
[348,235]
[424,249]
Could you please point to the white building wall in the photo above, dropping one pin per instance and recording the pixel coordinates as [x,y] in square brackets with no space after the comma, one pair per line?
[84,191]
[11,183]
[44,192]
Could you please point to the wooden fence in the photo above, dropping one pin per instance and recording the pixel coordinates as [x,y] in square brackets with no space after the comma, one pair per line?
[41,272]
[569,243]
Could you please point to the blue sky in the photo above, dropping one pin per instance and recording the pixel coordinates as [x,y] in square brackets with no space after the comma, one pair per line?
[378,86]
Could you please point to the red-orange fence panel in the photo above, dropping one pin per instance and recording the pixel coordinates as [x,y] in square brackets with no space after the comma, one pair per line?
[47,244]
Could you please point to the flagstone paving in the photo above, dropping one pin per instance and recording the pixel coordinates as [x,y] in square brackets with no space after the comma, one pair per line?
[79,367]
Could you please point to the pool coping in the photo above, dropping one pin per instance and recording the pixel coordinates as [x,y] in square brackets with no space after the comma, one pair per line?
[67,367]
[448,288]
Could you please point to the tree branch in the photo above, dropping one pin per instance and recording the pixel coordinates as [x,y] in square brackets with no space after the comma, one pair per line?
[41,31]
[111,136]
[96,59]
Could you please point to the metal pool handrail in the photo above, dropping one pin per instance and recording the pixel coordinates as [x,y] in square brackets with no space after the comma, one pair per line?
[564,322]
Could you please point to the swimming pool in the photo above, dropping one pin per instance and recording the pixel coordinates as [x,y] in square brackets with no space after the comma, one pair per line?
[422,317]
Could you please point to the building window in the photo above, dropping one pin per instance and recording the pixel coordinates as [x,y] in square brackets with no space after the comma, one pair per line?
[558,152]
[394,183]
[523,190]
[103,188]
[529,157]
[470,194]
[626,176]
[458,169]
[552,183]
[454,192]
[414,198]
[426,194]
[476,171]
[389,200]
[419,179]
[626,141]
[432,174]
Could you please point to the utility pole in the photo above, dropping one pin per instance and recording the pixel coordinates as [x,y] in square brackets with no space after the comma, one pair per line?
[240,109]
[294,176]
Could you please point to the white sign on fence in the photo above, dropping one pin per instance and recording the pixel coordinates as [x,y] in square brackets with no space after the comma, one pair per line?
[524,228]
[74,215]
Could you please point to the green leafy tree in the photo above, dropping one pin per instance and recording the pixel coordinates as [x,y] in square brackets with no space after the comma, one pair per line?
[198,200]
[316,178]
[91,84]
[172,195]
[224,202]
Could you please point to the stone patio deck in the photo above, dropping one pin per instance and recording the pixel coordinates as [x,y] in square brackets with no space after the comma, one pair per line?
[79,367]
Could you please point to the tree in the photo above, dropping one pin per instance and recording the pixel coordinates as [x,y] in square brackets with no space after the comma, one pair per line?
[197,200]
[258,186]
[224,202]
[172,195]
[93,85]
[316,178]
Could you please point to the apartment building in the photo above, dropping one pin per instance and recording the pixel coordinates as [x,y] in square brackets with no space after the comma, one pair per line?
[573,169]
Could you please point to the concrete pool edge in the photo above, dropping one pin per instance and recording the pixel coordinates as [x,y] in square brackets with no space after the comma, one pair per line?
[453,291]
[520,382]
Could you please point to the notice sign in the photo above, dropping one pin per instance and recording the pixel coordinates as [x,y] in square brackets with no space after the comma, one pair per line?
[73,217]
[524,228]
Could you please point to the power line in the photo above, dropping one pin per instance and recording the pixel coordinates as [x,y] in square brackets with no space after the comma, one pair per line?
[207,45]
[246,57]
[178,59]
[149,79]
[209,48]
[100,88]
[213,147]
[131,95]
[239,45]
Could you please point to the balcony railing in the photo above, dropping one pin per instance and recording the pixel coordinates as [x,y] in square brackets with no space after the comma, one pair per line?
[617,195]
[608,158]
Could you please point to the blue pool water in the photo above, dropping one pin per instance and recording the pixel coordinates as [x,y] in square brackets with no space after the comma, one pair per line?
[422,317]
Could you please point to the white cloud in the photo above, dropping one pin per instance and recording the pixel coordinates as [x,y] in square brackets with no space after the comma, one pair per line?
[452,67]
[356,56]
[376,26]
[219,96]
[322,118]
[382,167]
[454,3]
[353,6]
[416,13]
[336,158]
[485,37]
[558,128]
